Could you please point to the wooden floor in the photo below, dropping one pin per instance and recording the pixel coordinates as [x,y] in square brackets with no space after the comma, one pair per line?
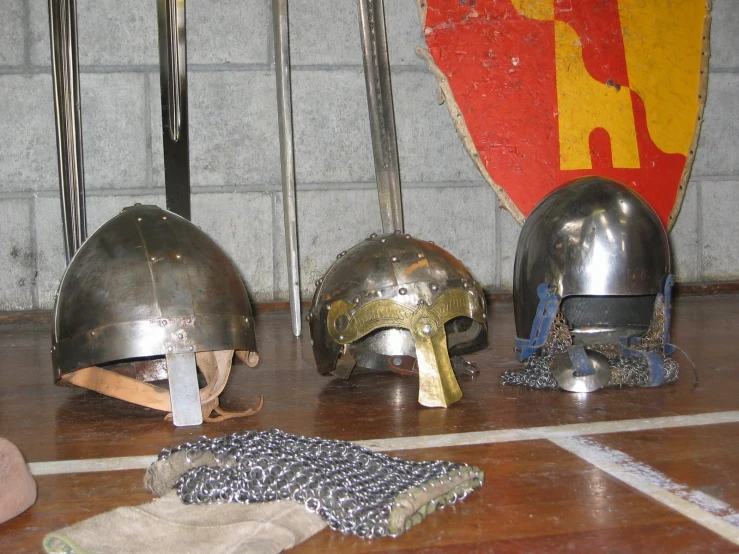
[614,471]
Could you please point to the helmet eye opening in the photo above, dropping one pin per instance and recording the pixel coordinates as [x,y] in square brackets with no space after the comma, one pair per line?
[607,318]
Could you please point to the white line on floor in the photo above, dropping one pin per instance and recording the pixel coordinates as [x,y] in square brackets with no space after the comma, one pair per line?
[431,441]
[710,512]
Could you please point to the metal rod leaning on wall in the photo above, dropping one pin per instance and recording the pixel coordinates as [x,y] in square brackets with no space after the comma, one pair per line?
[381,112]
[173,78]
[287,155]
[65,74]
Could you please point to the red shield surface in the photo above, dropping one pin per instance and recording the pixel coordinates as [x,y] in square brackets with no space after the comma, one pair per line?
[544,91]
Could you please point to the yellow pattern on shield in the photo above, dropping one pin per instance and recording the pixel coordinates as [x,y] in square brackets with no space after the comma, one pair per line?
[662,40]
[585,104]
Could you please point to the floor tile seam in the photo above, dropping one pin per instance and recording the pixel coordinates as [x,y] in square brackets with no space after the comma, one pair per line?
[703,509]
[473,438]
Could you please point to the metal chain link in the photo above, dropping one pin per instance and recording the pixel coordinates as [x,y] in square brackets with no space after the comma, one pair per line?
[625,371]
[353,488]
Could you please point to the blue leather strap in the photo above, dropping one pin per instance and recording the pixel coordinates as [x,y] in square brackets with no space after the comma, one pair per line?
[546,310]
[580,361]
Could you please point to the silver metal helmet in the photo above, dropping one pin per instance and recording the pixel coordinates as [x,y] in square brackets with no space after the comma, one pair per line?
[149,297]
[592,255]
[397,302]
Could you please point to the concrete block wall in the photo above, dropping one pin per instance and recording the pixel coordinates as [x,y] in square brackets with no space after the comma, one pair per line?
[235,154]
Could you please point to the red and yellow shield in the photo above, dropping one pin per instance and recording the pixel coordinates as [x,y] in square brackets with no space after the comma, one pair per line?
[544,91]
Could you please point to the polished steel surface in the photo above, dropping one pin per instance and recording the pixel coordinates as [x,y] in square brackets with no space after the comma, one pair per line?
[594,237]
[571,380]
[65,74]
[381,112]
[148,283]
[182,373]
[287,156]
[173,78]
[392,267]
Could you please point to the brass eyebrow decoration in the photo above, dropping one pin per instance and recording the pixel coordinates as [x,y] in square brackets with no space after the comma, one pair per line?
[438,386]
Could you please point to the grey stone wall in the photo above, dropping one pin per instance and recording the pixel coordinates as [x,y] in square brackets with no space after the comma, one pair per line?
[234,145]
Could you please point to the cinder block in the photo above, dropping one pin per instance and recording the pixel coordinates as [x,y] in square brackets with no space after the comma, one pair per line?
[233,129]
[684,238]
[724,29]
[12,32]
[28,146]
[460,220]
[228,31]
[720,224]
[50,242]
[509,230]
[331,124]
[114,129]
[17,259]
[109,32]
[324,33]
[329,221]
[403,32]
[717,145]
[242,225]
[428,146]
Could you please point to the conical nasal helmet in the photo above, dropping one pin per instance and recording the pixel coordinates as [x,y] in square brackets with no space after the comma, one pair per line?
[150,297]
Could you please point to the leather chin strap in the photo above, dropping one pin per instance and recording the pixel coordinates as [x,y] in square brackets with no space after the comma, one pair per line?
[215,367]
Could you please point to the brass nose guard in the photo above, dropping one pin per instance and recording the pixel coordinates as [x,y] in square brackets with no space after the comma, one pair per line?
[438,386]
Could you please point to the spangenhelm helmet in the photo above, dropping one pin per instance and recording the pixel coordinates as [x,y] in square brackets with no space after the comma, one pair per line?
[150,297]
[593,268]
[393,298]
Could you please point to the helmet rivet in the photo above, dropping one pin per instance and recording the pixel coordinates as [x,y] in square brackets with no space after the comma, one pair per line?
[407,236]
[169,349]
[138,219]
[383,240]
[341,254]
[164,322]
[153,259]
[341,337]
[394,259]
[373,236]
[356,299]
[397,361]
[465,284]
[164,217]
[318,282]
[178,256]
[421,302]
[191,348]
[92,333]
[431,242]
[402,290]
[420,255]
[427,329]
[434,287]
[398,231]
[180,336]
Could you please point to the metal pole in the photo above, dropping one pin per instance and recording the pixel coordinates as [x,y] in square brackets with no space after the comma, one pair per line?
[173,78]
[65,74]
[287,155]
[381,112]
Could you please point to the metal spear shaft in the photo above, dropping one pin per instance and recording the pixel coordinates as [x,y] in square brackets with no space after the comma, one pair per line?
[381,112]
[287,155]
[173,78]
[65,71]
